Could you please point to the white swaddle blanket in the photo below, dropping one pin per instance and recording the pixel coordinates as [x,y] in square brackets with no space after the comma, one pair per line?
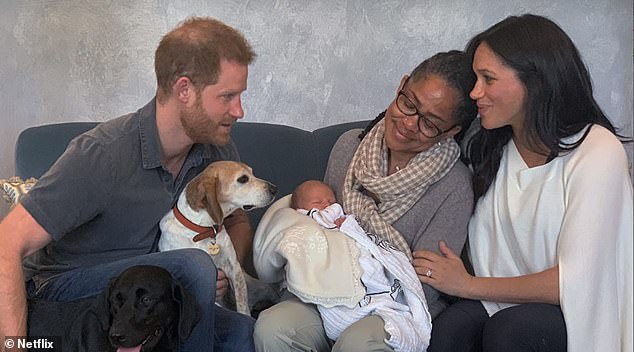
[347,277]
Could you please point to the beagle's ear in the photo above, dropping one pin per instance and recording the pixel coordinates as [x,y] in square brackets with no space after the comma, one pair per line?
[195,192]
[202,194]
[212,188]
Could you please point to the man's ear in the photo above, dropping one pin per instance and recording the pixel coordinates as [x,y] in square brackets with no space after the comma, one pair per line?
[183,89]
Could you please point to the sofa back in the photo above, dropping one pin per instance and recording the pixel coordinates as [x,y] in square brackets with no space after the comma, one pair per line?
[38,147]
[283,155]
[287,155]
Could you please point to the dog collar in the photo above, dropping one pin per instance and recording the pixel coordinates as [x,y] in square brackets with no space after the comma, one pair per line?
[202,232]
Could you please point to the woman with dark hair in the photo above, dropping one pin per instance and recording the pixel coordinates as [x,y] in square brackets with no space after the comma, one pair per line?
[551,236]
[404,182]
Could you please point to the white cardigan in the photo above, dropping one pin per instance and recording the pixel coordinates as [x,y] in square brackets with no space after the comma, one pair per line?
[575,211]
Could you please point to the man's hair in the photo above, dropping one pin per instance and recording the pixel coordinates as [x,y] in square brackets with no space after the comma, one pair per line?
[194,49]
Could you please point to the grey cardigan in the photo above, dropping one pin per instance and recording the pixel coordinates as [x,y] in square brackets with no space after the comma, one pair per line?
[441,214]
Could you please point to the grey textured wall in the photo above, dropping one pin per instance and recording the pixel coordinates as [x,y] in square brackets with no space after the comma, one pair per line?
[320,62]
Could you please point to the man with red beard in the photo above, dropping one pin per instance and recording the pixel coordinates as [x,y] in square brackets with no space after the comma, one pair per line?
[96,211]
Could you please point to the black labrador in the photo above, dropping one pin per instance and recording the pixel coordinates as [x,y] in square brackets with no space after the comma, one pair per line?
[143,309]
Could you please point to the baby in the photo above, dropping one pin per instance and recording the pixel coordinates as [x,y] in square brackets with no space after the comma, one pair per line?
[317,199]
[384,294]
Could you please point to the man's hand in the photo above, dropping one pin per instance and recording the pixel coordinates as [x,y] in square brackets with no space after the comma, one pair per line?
[222,285]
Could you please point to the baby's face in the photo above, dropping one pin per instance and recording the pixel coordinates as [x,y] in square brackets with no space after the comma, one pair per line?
[316,196]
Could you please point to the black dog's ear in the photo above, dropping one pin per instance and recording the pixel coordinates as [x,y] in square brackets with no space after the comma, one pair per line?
[189,311]
[108,290]
[104,318]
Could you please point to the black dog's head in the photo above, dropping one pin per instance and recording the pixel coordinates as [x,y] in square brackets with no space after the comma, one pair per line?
[148,306]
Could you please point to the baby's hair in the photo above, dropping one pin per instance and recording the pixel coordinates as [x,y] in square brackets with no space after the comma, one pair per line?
[299,188]
[294,198]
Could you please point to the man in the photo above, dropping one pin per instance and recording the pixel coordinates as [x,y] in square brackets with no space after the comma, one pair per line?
[96,211]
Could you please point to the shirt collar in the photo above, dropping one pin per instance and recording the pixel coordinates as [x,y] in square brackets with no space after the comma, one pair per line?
[148,134]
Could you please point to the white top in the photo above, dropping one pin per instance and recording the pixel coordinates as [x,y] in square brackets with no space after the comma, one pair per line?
[575,211]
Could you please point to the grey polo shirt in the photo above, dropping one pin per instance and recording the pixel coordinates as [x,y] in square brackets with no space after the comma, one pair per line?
[103,198]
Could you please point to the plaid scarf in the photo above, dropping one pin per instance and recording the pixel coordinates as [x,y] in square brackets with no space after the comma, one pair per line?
[397,193]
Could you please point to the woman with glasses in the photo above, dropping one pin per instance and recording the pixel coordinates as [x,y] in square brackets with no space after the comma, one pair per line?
[404,181]
[551,235]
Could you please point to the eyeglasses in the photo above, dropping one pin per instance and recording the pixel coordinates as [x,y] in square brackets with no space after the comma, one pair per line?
[425,126]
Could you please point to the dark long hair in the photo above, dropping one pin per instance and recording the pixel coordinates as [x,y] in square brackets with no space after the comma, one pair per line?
[559,101]
[454,67]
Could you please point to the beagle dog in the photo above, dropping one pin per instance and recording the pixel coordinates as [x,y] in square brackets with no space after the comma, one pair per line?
[196,219]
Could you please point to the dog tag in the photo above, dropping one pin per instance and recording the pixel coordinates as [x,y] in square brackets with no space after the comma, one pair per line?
[213,248]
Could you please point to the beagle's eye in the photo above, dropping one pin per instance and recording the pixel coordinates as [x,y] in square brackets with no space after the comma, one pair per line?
[243,179]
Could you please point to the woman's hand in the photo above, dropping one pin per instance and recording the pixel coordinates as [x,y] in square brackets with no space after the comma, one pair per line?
[222,285]
[444,272]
